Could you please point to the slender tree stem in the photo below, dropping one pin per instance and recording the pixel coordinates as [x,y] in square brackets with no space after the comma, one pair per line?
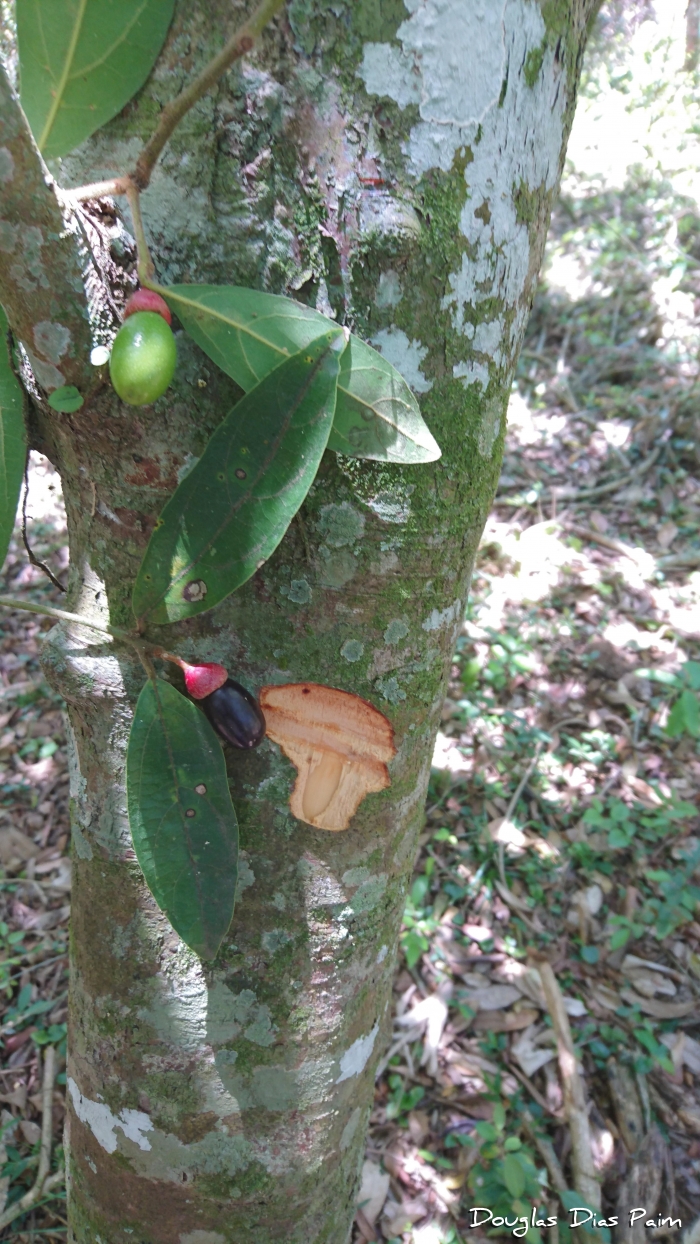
[146,269]
[240,42]
[25,539]
[130,184]
[97,190]
[40,1184]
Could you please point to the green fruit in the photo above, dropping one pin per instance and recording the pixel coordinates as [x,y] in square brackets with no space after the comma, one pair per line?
[142,362]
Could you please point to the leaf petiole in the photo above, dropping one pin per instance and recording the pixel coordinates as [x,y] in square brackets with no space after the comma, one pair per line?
[64,615]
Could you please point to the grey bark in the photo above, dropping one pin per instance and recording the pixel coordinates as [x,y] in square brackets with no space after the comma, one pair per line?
[395,167]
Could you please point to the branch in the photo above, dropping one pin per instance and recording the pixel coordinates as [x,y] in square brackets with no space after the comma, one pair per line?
[240,42]
[141,646]
[546,1151]
[146,269]
[572,1085]
[41,286]
[41,1183]
[34,560]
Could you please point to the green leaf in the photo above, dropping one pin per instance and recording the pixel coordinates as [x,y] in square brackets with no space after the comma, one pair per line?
[230,512]
[691,674]
[247,333]
[586,1218]
[414,946]
[513,1175]
[684,717]
[183,824]
[620,938]
[13,441]
[66,399]
[81,61]
[499,1116]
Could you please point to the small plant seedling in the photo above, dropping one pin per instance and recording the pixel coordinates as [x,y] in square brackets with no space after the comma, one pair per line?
[143,358]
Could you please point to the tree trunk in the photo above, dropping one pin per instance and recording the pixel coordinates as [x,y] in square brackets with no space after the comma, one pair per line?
[396,168]
[692,35]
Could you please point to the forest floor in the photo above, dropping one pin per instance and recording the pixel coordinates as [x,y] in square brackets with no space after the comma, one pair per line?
[562,824]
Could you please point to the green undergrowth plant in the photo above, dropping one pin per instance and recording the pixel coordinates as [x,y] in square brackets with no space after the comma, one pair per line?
[669,893]
[684,715]
[309,385]
[506,1187]
[11,949]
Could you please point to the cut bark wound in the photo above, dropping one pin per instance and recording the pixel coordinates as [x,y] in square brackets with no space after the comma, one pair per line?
[339,743]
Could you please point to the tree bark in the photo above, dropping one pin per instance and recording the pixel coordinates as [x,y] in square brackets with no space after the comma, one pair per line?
[396,168]
[692,35]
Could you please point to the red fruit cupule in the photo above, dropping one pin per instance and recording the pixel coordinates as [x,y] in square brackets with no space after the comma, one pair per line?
[147,300]
[200,680]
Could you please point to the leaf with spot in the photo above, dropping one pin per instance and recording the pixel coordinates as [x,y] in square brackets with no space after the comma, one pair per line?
[230,512]
[183,823]
[247,333]
[81,61]
[13,440]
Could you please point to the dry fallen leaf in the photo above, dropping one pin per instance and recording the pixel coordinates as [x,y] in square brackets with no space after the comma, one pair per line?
[689,1049]
[504,1021]
[492,997]
[14,845]
[660,1010]
[666,534]
[373,1191]
[529,1055]
[651,983]
[340,744]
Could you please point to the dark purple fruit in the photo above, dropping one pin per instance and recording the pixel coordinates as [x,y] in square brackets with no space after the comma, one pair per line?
[235,714]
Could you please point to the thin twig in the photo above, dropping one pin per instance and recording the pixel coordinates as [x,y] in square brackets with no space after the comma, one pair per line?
[62,615]
[599,490]
[240,42]
[511,809]
[146,269]
[546,1151]
[605,542]
[238,45]
[96,190]
[41,1184]
[533,1091]
[583,1169]
[34,560]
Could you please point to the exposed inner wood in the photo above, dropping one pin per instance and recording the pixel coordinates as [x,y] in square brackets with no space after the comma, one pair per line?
[325,772]
[339,743]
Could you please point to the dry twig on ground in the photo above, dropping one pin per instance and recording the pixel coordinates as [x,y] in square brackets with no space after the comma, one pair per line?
[584,1175]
